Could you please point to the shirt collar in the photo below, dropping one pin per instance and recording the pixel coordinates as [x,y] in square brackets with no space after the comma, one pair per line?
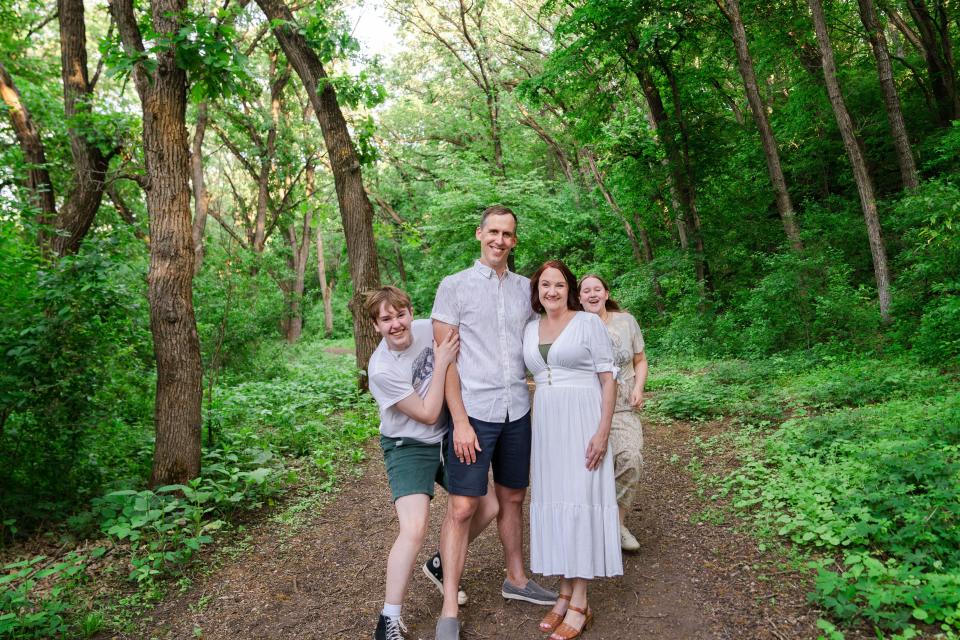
[488,272]
[396,355]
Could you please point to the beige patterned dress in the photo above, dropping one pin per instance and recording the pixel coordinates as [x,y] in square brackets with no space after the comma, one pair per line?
[626,434]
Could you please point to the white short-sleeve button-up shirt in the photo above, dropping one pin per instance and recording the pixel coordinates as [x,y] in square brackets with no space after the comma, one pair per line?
[491,313]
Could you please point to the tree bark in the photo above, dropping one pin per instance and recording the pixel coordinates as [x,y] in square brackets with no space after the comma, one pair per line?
[902,26]
[163,95]
[898,128]
[858,163]
[325,288]
[38,177]
[355,209]
[201,199]
[731,9]
[89,162]
[934,34]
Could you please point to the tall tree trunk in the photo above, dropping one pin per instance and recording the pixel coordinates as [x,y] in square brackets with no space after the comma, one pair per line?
[355,209]
[898,129]
[89,162]
[268,153]
[325,286]
[493,113]
[398,254]
[72,222]
[201,199]
[326,292]
[934,34]
[163,94]
[299,252]
[38,177]
[731,9]
[868,202]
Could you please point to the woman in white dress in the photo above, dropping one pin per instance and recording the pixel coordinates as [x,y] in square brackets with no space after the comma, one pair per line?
[574,528]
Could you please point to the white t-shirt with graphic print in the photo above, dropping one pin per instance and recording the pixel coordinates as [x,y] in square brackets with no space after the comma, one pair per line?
[395,375]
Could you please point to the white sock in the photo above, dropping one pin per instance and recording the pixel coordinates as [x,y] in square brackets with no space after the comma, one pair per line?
[391,610]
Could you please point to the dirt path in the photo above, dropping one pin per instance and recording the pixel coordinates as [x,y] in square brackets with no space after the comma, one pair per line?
[326,581]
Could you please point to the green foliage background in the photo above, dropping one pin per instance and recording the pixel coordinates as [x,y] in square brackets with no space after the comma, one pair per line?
[845,426]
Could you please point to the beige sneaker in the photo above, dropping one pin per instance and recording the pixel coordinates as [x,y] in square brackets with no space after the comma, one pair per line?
[627,541]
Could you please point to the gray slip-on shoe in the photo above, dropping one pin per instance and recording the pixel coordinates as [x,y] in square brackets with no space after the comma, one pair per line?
[531,593]
[447,629]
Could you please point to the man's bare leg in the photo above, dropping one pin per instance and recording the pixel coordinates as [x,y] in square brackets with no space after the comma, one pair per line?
[510,527]
[454,536]
[487,510]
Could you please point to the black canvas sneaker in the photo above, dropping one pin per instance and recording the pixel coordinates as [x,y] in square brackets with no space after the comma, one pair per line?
[433,569]
[389,628]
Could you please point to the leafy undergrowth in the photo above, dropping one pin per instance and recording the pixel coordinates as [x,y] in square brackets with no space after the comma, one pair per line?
[854,462]
[300,426]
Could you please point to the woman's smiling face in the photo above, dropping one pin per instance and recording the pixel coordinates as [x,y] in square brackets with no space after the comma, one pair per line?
[593,295]
[553,289]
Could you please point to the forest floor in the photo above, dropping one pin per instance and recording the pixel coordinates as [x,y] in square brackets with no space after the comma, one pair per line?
[696,575]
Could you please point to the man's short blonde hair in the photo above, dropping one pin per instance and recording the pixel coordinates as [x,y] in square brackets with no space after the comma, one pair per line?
[390,296]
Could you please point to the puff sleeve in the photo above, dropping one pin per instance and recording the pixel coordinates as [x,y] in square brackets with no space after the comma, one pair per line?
[599,345]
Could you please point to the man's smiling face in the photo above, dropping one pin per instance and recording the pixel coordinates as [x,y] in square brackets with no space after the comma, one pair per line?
[497,237]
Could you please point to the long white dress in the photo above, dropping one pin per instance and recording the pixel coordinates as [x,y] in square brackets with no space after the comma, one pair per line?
[574,528]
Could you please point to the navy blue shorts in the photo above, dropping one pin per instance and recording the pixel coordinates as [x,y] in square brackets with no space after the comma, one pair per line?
[505,445]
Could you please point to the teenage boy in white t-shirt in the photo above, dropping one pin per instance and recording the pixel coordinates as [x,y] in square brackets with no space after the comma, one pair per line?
[406,374]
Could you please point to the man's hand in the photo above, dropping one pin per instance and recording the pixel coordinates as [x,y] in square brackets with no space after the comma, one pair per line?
[445,352]
[465,443]
[596,449]
[636,398]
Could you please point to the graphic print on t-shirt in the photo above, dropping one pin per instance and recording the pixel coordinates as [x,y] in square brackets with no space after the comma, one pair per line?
[621,354]
[422,367]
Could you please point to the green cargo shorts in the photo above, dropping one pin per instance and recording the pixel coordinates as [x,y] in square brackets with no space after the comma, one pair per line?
[413,466]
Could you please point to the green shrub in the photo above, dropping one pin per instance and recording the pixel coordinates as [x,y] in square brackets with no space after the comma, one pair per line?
[698,399]
[859,382]
[938,340]
[879,486]
[801,301]
[75,388]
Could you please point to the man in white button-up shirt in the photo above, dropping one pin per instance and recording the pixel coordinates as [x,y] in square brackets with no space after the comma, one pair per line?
[489,404]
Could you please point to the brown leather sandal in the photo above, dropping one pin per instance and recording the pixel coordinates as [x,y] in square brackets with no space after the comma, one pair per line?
[566,632]
[552,620]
